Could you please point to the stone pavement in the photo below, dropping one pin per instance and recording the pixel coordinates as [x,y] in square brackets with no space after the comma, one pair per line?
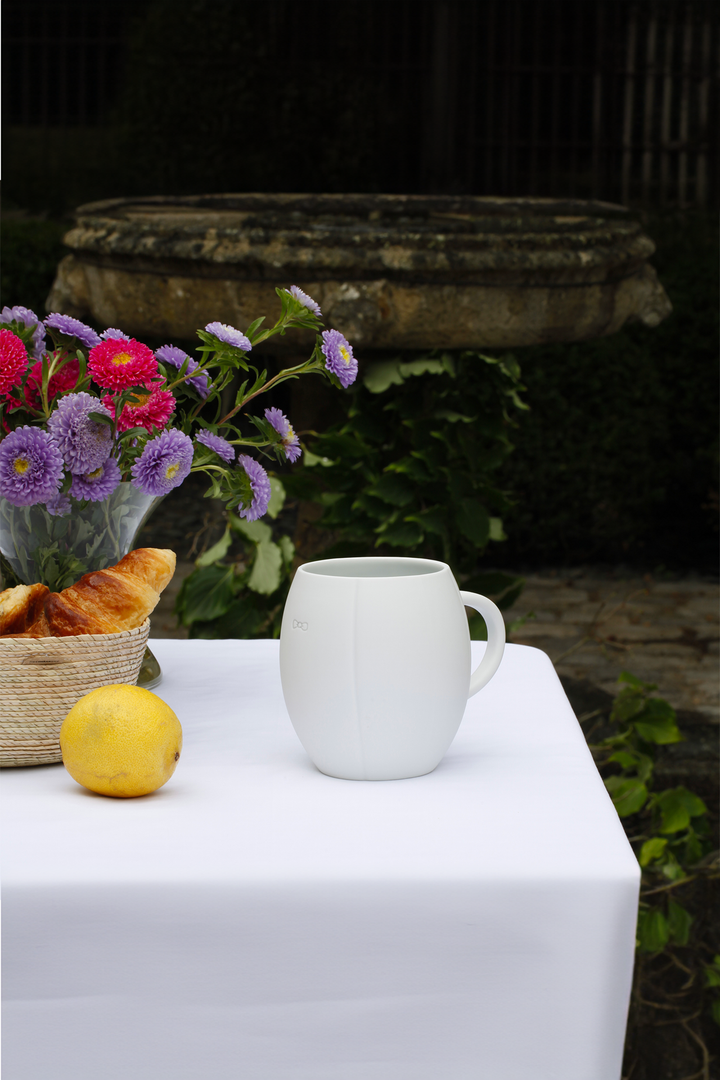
[595,624]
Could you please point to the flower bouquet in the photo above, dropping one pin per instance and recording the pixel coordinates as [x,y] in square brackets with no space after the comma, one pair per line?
[95,428]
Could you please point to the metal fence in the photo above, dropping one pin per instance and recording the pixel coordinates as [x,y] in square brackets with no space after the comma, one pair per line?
[589,98]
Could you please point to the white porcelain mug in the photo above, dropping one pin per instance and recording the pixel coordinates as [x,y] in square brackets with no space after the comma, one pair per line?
[375,663]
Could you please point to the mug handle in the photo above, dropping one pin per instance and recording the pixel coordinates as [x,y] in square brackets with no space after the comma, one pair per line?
[495,623]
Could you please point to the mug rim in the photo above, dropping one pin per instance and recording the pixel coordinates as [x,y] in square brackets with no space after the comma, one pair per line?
[430,567]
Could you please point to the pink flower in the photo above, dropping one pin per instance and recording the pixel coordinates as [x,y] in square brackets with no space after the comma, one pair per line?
[153,409]
[13,360]
[117,364]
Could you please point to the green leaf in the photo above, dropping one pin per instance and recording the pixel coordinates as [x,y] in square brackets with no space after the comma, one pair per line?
[656,723]
[257,531]
[402,534]
[677,806]
[216,552]
[712,973]
[497,532]
[715,1010]
[311,459]
[473,521]
[653,932]
[205,594]
[637,684]
[382,375]
[628,795]
[287,549]
[265,575]
[424,366]
[277,497]
[651,850]
[393,488]
[679,923]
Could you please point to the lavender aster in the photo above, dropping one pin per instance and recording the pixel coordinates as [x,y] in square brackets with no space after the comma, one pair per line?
[164,463]
[31,466]
[59,505]
[111,334]
[97,485]
[229,335]
[27,317]
[339,357]
[305,300]
[65,324]
[260,487]
[84,443]
[216,442]
[170,354]
[290,441]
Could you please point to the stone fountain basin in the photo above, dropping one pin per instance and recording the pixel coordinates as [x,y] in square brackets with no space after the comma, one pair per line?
[389,271]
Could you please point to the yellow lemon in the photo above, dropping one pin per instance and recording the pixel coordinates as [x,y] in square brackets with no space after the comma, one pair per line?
[121,740]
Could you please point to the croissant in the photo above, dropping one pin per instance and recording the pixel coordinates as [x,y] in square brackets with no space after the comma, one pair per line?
[20,607]
[107,601]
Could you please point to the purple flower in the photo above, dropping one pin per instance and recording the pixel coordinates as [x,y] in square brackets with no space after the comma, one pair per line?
[305,300]
[59,505]
[27,317]
[216,442]
[164,463]
[284,428]
[114,335]
[97,485]
[259,485]
[31,466]
[229,335]
[65,324]
[84,443]
[169,354]
[339,357]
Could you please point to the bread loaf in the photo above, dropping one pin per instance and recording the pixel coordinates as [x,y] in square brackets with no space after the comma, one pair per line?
[20,607]
[105,601]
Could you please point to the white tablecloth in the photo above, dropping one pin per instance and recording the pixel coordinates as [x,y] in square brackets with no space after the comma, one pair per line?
[257,920]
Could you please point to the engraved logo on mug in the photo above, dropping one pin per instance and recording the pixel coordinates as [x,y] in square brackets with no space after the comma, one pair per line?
[299,625]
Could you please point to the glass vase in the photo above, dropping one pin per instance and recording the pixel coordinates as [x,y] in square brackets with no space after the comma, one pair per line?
[37,546]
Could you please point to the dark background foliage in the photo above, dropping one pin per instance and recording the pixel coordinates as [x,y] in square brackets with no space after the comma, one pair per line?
[617,458]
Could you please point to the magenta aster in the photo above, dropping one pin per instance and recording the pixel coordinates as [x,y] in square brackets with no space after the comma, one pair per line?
[260,487]
[216,442]
[169,354]
[97,485]
[153,409]
[13,360]
[117,364]
[164,463]
[290,441]
[84,443]
[229,335]
[305,300]
[31,466]
[339,356]
[65,324]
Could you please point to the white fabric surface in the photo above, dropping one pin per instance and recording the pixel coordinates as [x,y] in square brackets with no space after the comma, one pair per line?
[257,920]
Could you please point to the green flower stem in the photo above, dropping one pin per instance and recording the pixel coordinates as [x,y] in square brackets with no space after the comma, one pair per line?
[282,376]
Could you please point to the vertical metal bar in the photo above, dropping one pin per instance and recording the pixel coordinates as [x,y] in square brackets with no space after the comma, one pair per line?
[685,108]
[471,98]
[649,106]
[575,99]
[490,8]
[597,187]
[666,113]
[703,99]
[555,100]
[535,99]
[629,105]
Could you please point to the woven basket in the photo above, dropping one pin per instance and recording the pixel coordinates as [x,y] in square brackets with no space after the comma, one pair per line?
[42,678]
